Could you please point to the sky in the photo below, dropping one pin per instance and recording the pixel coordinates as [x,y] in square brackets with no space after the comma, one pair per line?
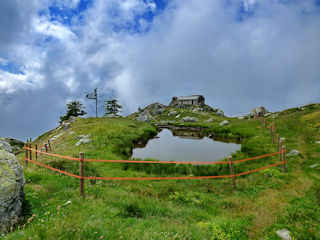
[239,54]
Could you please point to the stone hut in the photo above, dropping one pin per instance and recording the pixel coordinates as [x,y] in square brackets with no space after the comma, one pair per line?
[193,100]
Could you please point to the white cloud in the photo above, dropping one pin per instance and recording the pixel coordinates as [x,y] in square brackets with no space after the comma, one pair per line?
[53,29]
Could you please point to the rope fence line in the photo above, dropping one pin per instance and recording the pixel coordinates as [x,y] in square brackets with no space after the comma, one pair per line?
[160,162]
[82,160]
[281,152]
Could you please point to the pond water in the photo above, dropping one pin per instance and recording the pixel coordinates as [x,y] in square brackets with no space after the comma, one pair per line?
[184,146]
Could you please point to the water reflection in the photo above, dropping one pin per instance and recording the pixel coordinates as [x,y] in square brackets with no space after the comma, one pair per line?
[184,146]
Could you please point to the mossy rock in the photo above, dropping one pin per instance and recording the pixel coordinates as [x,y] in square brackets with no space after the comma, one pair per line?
[11,190]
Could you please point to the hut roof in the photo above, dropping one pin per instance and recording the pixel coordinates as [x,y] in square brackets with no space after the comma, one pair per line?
[192,97]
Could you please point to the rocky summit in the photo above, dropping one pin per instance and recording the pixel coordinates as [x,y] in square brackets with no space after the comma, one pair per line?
[11,190]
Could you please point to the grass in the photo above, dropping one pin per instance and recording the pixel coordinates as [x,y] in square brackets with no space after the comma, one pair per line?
[199,209]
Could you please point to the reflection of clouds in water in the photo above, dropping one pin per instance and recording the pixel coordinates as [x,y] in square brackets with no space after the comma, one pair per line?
[169,147]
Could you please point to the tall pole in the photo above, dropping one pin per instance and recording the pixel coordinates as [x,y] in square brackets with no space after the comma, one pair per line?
[96,95]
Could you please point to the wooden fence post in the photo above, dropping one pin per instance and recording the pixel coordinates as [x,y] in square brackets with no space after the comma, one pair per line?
[26,155]
[284,159]
[46,147]
[49,144]
[30,151]
[232,173]
[82,174]
[273,134]
[36,152]
[264,123]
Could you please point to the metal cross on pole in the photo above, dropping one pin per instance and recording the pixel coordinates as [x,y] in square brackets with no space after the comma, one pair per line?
[94,96]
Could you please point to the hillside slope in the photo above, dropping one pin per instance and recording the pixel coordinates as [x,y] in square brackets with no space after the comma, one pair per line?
[198,209]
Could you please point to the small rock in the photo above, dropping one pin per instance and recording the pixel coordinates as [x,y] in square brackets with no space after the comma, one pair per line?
[83,141]
[282,139]
[284,234]
[223,123]
[314,165]
[83,136]
[318,142]
[209,120]
[178,116]
[197,110]
[293,152]
[66,125]
[190,119]
[267,114]
[172,113]
[220,113]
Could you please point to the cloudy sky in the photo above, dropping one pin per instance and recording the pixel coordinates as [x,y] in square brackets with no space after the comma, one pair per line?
[238,53]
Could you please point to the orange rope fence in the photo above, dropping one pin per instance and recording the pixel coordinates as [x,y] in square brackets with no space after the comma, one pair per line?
[161,162]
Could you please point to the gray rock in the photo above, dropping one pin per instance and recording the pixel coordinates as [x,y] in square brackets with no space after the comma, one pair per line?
[4,145]
[178,116]
[155,108]
[83,139]
[259,111]
[66,125]
[209,120]
[11,190]
[83,136]
[172,113]
[189,119]
[293,152]
[314,165]
[144,116]
[284,234]
[318,142]
[220,112]
[197,110]
[224,123]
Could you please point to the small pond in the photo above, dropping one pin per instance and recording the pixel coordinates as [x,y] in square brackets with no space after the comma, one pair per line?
[184,146]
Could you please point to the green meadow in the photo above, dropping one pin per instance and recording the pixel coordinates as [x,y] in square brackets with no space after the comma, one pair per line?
[263,203]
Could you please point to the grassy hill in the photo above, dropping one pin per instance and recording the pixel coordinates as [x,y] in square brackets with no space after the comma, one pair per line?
[177,209]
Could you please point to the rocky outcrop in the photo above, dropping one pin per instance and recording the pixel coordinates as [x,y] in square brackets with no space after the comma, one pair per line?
[144,116]
[155,108]
[11,190]
[259,112]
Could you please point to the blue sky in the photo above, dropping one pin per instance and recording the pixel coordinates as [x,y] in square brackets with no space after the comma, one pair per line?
[238,53]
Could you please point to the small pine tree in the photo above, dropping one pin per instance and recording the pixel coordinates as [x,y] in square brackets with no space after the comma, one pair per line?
[112,107]
[74,108]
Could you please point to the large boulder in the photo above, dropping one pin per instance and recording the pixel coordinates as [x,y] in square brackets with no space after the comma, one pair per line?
[5,146]
[259,112]
[16,145]
[144,116]
[11,190]
[155,108]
